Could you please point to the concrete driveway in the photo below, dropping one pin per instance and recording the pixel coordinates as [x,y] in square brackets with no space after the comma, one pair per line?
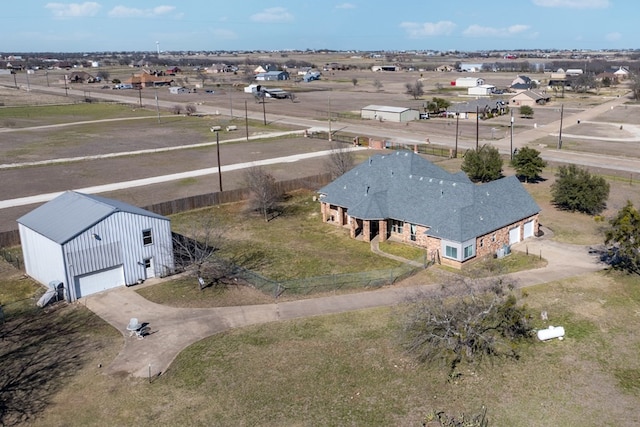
[174,329]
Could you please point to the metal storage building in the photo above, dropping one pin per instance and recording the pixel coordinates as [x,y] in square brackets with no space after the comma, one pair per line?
[91,243]
[392,114]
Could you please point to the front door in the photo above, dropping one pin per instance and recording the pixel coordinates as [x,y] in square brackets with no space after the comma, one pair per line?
[148,268]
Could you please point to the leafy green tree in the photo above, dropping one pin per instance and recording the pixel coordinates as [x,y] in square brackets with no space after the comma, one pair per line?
[483,164]
[575,189]
[623,239]
[465,322]
[526,111]
[528,164]
[437,105]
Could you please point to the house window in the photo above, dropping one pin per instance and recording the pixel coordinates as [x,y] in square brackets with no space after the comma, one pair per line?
[451,252]
[413,232]
[468,251]
[493,237]
[397,226]
[147,263]
[481,243]
[147,237]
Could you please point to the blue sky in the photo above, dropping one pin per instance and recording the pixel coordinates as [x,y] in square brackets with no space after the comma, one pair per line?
[123,25]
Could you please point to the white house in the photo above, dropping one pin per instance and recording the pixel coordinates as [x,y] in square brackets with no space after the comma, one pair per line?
[91,243]
[481,90]
[178,90]
[469,81]
[392,114]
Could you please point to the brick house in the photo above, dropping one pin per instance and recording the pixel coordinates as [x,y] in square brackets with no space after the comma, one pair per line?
[404,197]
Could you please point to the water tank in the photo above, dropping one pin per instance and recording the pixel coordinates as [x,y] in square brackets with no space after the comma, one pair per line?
[550,333]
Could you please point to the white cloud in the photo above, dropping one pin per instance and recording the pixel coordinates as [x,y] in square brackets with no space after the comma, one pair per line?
[573,4]
[73,10]
[480,31]
[346,6]
[417,30]
[613,36]
[131,12]
[273,15]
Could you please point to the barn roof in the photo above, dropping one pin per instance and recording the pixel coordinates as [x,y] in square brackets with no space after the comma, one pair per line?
[386,109]
[72,213]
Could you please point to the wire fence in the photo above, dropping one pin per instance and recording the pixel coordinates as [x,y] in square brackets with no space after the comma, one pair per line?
[331,282]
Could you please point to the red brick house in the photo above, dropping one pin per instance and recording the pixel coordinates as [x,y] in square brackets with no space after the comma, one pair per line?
[404,197]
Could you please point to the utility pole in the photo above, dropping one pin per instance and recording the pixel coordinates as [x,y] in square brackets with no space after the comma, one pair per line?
[329,111]
[157,104]
[264,112]
[246,120]
[219,167]
[560,133]
[455,151]
[477,126]
[511,145]
[231,104]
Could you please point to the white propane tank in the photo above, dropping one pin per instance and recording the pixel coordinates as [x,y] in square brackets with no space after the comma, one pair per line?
[550,333]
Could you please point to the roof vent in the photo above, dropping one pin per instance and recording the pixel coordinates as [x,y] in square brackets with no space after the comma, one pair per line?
[421,178]
[454,184]
[410,176]
[367,192]
[441,182]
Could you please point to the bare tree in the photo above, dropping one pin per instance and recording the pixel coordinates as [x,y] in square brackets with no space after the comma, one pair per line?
[194,250]
[354,81]
[176,109]
[377,84]
[340,161]
[416,90]
[465,322]
[265,194]
[191,109]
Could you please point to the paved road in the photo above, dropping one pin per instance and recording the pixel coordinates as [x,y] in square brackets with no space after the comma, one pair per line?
[408,136]
[174,329]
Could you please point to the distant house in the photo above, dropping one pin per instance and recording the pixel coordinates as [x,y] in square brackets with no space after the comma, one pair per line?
[481,90]
[81,77]
[622,73]
[173,71]
[273,76]
[311,76]
[476,108]
[612,77]
[530,98]
[468,82]
[260,69]
[221,68]
[572,72]
[91,243]
[404,197]
[470,68]
[445,68]
[142,80]
[385,68]
[392,114]
[177,90]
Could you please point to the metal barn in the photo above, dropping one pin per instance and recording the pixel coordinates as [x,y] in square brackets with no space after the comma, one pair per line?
[392,114]
[91,243]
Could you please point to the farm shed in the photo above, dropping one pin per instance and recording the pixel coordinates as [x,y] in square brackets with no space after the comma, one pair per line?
[468,82]
[481,90]
[91,243]
[392,114]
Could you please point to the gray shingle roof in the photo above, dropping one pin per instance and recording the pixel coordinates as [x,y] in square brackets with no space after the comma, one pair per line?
[71,213]
[404,186]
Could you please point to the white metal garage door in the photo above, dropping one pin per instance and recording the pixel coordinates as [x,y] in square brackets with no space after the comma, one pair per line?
[99,281]
[514,235]
[528,229]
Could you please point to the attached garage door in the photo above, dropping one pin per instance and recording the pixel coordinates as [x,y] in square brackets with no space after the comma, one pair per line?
[99,281]
[528,229]
[514,235]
